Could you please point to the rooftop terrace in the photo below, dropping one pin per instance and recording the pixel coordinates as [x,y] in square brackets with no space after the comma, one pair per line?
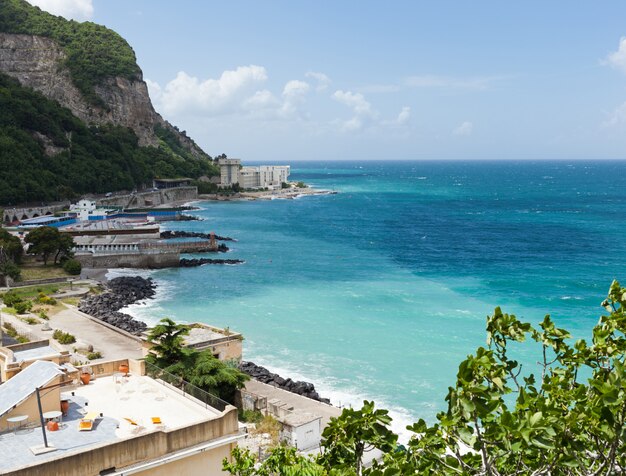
[127,405]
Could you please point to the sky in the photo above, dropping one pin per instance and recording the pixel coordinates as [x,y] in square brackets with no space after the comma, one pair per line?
[328,80]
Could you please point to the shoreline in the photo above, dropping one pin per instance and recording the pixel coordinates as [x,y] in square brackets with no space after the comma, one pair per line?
[282,194]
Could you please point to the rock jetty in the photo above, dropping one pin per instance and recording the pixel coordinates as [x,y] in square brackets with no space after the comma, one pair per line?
[306,389]
[120,292]
[171,234]
[190,263]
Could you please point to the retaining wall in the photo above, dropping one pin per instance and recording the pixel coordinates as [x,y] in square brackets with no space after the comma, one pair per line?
[121,260]
[150,199]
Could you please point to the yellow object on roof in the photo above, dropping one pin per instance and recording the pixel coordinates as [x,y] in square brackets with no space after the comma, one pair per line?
[85,425]
[156,420]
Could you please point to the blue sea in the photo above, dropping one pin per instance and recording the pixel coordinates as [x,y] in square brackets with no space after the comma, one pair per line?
[378,292]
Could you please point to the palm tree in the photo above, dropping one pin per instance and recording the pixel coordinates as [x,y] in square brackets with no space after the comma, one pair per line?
[217,377]
[168,350]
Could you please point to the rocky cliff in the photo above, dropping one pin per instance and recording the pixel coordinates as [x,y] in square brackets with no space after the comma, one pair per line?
[38,62]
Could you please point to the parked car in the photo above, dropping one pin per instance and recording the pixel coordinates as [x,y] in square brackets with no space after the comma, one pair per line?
[108,194]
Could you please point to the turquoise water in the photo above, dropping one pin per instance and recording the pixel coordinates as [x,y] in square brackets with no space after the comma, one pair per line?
[379,291]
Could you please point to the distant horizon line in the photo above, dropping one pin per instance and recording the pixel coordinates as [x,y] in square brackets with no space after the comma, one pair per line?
[281,161]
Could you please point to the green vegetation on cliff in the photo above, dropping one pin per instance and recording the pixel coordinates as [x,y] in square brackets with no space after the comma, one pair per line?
[94,53]
[86,159]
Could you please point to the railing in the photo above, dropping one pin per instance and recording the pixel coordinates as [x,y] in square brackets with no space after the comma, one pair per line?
[186,388]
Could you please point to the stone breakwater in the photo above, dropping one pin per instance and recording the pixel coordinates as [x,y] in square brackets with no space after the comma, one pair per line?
[190,263]
[306,389]
[120,292]
[171,234]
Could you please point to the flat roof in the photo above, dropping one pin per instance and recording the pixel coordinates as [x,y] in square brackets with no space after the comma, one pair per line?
[108,240]
[201,334]
[296,419]
[38,353]
[136,398]
[42,219]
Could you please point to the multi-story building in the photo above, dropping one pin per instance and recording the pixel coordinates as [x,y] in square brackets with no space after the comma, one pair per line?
[262,176]
[273,176]
[229,171]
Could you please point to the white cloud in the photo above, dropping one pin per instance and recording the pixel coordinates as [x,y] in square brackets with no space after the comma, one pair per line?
[263,99]
[323,81]
[617,59]
[362,110]
[295,89]
[294,94]
[72,9]
[186,94]
[434,81]
[465,129]
[356,101]
[404,116]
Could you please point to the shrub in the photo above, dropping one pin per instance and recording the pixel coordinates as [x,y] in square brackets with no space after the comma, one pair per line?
[31,321]
[250,416]
[94,355]
[43,315]
[23,307]
[43,299]
[72,266]
[63,337]
[10,330]
[11,298]
[12,270]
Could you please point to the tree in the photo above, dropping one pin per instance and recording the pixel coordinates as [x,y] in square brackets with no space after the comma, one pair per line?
[282,461]
[566,418]
[47,241]
[65,244]
[44,241]
[348,437]
[168,351]
[201,369]
[11,246]
[215,376]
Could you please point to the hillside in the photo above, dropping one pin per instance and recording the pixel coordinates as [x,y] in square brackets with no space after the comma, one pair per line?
[77,117]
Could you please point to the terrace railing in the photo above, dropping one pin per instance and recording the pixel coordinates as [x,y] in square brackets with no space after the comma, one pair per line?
[187,389]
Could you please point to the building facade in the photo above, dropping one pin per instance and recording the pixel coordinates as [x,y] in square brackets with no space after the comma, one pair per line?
[229,172]
[263,176]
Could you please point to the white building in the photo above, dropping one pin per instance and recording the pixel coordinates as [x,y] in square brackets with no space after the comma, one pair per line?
[87,210]
[273,176]
[301,430]
[262,176]
[83,208]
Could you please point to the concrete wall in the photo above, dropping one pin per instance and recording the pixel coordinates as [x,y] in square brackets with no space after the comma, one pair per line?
[138,449]
[201,464]
[102,369]
[148,199]
[303,437]
[132,260]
